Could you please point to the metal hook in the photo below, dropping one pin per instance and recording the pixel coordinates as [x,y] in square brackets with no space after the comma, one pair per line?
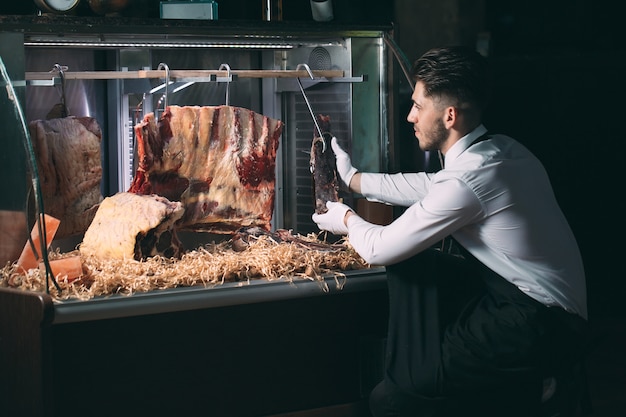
[227,68]
[61,70]
[306,100]
[167,83]
[307,68]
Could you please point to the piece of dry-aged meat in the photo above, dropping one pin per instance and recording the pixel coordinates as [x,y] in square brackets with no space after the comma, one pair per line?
[323,166]
[219,161]
[70,170]
[132,226]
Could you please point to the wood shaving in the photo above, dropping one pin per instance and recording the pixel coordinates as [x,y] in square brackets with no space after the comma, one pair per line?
[209,265]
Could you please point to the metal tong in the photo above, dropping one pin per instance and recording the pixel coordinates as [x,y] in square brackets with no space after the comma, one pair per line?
[306,100]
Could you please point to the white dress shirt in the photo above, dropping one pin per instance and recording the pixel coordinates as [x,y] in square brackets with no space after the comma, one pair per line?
[495,198]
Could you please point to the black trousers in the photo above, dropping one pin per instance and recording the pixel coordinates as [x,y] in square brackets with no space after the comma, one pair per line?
[462,340]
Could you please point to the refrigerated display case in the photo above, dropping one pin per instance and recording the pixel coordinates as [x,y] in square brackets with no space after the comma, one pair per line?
[254,348]
[257,70]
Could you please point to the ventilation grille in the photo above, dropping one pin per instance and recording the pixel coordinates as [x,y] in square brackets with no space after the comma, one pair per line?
[320,59]
[329,99]
[328,57]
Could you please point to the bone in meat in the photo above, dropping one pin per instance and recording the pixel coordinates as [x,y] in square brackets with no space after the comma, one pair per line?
[131,226]
[219,161]
[70,171]
[323,166]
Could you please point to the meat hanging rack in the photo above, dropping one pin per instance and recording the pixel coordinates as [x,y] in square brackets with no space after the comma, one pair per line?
[59,75]
[220,75]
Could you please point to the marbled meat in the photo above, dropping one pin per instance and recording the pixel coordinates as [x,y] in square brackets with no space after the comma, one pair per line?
[219,161]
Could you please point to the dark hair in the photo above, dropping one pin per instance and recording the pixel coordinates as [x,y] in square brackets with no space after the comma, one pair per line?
[457,73]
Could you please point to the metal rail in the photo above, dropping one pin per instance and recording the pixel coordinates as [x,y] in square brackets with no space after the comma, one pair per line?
[48,78]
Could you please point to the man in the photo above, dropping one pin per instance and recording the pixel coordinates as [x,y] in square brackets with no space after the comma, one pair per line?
[477,332]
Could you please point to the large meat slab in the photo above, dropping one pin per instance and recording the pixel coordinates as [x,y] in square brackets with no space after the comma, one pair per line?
[70,170]
[219,161]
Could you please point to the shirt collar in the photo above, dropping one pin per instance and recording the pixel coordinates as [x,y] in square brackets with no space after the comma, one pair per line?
[464,143]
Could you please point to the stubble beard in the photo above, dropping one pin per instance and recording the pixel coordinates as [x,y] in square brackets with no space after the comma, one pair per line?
[434,138]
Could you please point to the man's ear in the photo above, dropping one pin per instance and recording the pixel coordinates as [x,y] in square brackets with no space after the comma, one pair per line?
[451,116]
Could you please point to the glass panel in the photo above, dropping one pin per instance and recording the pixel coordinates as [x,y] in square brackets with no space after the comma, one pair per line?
[21,201]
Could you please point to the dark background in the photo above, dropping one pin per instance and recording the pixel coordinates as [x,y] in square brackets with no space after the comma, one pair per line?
[560,86]
[560,69]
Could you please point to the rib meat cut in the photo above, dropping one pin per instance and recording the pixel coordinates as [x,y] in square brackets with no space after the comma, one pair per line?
[219,161]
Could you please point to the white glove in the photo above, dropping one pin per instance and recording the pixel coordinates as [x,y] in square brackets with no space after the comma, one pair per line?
[344,164]
[332,220]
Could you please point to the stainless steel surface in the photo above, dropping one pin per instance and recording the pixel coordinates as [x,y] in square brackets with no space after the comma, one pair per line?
[190,298]
[401,58]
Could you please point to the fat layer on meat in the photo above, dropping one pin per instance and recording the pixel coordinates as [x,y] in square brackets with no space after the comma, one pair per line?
[131,226]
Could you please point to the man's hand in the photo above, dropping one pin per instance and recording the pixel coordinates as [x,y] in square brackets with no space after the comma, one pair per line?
[334,220]
[344,164]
